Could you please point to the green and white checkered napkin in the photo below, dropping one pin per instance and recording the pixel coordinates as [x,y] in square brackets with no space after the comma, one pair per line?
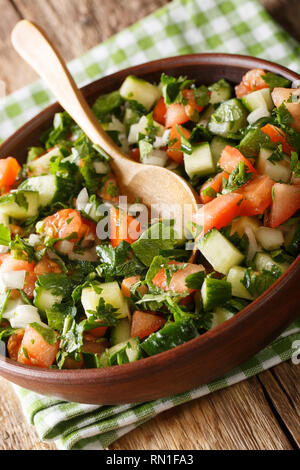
[184,26]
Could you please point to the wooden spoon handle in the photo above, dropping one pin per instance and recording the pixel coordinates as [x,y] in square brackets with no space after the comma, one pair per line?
[36,49]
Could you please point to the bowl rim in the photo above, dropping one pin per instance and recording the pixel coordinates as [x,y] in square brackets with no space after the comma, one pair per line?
[161,360]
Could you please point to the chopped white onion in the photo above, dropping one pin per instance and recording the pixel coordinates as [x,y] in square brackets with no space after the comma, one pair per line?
[82,199]
[65,247]
[10,308]
[34,240]
[24,315]
[296,84]
[163,140]
[257,114]
[3,249]
[253,247]
[12,280]
[156,157]
[101,168]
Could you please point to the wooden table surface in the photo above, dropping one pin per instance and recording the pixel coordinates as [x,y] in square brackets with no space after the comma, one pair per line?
[260,413]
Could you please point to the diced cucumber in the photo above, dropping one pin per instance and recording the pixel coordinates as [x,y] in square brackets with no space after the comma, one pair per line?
[252,141]
[120,332]
[141,128]
[278,171]
[220,91]
[258,99]
[269,238]
[206,115]
[170,336]
[215,292]
[41,165]
[111,293]
[219,251]
[20,204]
[220,315]
[264,261]
[292,239]
[45,185]
[200,162]
[134,88]
[128,351]
[216,146]
[240,224]
[44,299]
[228,118]
[4,220]
[235,276]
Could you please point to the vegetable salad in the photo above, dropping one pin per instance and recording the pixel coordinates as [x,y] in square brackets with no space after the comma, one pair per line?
[70,299]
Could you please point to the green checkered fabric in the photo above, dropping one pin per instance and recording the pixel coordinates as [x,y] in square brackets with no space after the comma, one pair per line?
[184,26]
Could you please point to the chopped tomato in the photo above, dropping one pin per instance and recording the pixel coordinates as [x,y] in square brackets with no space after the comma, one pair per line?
[9,170]
[110,190]
[159,112]
[36,351]
[98,332]
[10,264]
[217,213]
[277,135]
[213,185]
[176,115]
[251,81]
[135,154]
[66,222]
[175,143]
[177,283]
[192,105]
[14,343]
[286,201]
[130,281]
[46,265]
[257,195]
[231,157]
[280,95]
[145,323]
[123,227]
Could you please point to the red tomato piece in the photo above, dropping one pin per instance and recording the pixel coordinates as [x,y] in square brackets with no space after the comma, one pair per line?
[9,170]
[175,143]
[36,351]
[130,281]
[192,105]
[135,155]
[159,112]
[257,195]
[286,201]
[123,227]
[213,183]
[217,213]
[231,157]
[63,223]
[10,264]
[110,190]
[251,81]
[176,115]
[145,323]
[177,283]
[277,135]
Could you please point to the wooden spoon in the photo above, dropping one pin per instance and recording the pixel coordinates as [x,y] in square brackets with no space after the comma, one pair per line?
[148,183]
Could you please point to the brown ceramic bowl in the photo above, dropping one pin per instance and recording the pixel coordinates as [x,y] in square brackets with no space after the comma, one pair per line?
[204,358]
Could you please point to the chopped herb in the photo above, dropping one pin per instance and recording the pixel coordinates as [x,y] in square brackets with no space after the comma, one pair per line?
[275,81]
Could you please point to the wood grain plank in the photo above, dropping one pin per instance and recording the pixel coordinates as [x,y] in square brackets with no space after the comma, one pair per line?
[9,73]
[286,13]
[15,433]
[282,384]
[238,417]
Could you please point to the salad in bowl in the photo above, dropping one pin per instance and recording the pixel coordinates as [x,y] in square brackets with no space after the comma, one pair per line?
[84,283]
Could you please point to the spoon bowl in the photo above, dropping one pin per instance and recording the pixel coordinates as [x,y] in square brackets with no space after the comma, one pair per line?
[148,183]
